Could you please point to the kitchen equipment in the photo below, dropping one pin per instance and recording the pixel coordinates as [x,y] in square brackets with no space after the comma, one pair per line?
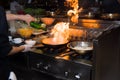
[50,13]
[30,42]
[110,16]
[65,64]
[47,20]
[25,32]
[49,42]
[17,40]
[81,47]
[99,64]
[87,15]
[39,31]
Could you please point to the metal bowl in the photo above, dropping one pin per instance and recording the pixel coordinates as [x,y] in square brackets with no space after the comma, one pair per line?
[81,47]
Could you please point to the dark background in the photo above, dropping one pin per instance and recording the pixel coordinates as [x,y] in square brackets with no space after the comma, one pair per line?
[108,6]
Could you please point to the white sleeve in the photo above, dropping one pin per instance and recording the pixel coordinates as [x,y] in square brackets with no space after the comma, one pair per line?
[12,76]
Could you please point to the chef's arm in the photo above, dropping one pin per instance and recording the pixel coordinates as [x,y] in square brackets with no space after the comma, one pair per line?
[22,48]
[16,50]
[27,18]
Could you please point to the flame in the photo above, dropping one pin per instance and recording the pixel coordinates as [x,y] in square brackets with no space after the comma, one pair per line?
[74,13]
[60,32]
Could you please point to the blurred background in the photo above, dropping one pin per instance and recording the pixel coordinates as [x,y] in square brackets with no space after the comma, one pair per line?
[106,6]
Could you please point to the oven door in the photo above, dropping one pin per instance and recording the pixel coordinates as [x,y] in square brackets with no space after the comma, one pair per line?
[19,64]
[32,75]
[59,68]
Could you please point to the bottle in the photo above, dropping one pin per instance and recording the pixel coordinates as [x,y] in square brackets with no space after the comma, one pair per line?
[38,25]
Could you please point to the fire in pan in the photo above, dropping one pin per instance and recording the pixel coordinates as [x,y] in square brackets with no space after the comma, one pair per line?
[52,43]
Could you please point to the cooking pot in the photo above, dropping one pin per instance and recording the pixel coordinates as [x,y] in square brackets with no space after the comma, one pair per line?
[50,13]
[110,16]
[87,15]
[49,42]
[81,47]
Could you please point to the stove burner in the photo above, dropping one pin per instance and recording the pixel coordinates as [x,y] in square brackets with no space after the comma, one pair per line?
[54,50]
[64,52]
[87,56]
[72,55]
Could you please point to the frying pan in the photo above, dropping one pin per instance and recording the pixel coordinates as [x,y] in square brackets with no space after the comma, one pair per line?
[48,42]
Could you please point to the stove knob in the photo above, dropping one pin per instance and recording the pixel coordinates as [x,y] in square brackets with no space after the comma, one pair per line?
[66,73]
[39,64]
[78,76]
[47,67]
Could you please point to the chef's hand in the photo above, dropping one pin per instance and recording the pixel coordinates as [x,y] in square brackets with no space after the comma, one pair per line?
[27,18]
[27,47]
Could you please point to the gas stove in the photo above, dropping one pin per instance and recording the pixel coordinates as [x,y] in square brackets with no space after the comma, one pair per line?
[63,53]
[67,64]
[64,64]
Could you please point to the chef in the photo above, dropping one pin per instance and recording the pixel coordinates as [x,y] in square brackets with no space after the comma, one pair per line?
[6,48]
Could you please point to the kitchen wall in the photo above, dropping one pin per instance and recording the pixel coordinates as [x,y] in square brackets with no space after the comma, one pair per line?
[42,3]
[108,6]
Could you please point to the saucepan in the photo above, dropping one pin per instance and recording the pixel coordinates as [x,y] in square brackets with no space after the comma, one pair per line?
[81,47]
[110,16]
